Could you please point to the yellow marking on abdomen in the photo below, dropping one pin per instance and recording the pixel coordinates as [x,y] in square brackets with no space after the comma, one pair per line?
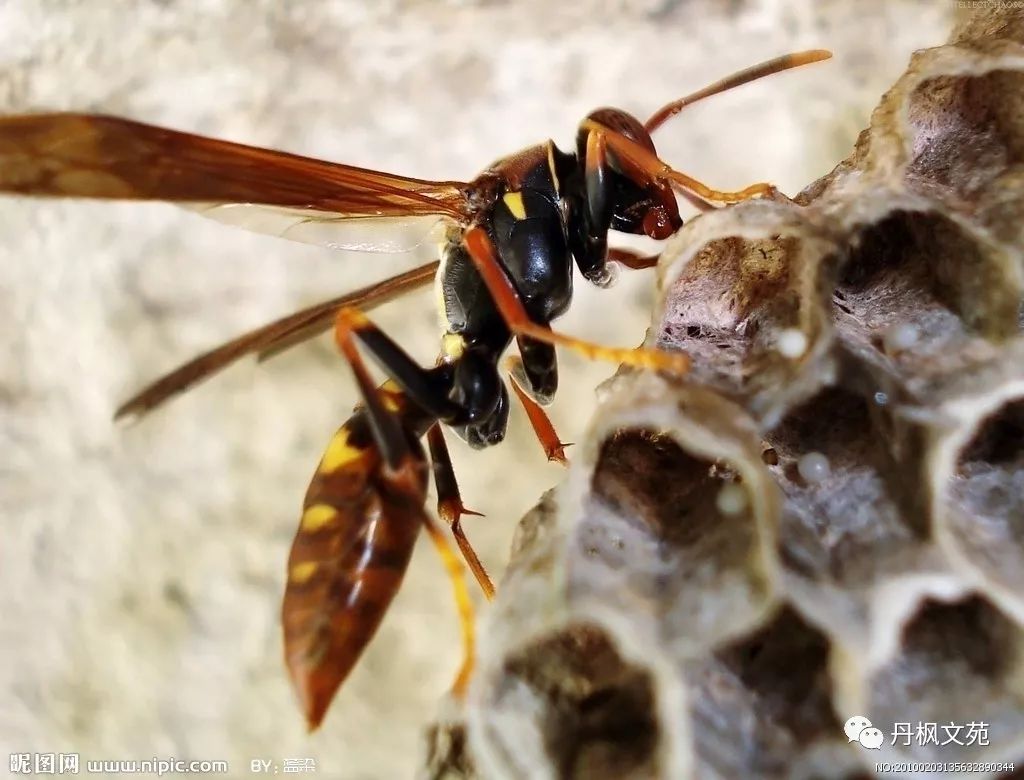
[317,516]
[514,202]
[339,453]
[303,572]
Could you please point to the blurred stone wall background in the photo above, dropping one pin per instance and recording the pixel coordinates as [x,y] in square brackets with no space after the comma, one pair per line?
[141,566]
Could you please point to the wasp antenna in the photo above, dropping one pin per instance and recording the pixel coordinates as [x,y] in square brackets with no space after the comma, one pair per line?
[754,72]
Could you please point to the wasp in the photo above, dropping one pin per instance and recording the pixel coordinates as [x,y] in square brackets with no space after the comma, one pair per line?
[509,241]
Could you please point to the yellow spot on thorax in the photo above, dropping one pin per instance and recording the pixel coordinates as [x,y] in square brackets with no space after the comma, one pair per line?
[339,453]
[317,516]
[551,168]
[303,572]
[514,202]
[453,345]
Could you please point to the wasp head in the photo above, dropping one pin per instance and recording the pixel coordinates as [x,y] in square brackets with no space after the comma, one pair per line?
[639,204]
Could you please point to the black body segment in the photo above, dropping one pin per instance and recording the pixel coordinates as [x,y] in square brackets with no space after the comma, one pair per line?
[546,208]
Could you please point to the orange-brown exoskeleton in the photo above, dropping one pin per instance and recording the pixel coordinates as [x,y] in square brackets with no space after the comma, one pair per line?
[510,240]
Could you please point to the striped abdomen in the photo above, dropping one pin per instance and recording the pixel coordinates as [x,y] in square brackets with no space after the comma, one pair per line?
[356,536]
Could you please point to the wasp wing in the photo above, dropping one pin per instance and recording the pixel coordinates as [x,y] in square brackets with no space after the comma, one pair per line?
[387,235]
[272,338]
[95,156]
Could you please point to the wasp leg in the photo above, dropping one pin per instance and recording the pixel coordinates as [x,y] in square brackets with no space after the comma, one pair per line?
[482,253]
[591,242]
[644,165]
[387,430]
[553,447]
[631,259]
[537,369]
[462,601]
[422,386]
[450,508]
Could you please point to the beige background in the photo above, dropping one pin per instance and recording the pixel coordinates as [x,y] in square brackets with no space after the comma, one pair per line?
[141,567]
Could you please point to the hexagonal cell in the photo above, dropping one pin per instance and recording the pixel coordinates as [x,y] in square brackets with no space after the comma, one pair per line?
[748,310]
[848,520]
[958,663]
[986,497]
[581,710]
[761,706]
[716,297]
[918,292]
[673,533]
[965,131]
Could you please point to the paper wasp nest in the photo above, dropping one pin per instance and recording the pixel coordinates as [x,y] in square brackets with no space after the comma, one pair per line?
[826,519]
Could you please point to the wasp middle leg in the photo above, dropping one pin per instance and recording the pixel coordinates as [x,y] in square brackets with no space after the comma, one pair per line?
[554,448]
[482,252]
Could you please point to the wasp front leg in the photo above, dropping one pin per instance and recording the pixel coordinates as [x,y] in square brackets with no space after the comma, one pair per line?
[644,166]
[589,234]
[590,242]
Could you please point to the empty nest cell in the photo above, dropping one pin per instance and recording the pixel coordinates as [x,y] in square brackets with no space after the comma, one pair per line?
[676,533]
[917,292]
[593,711]
[763,701]
[965,132]
[986,497]
[730,302]
[958,662]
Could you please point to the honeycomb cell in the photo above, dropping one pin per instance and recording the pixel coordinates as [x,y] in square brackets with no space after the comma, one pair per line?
[668,543]
[590,708]
[744,297]
[965,132]
[986,497]
[926,271]
[759,702]
[967,646]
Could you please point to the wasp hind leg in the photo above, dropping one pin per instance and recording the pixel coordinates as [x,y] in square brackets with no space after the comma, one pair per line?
[403,469]
[417,383]
[451,509]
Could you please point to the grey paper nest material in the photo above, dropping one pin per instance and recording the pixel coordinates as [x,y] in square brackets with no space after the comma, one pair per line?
[700,599]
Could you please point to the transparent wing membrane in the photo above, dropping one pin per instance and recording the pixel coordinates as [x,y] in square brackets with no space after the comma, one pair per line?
[336,231]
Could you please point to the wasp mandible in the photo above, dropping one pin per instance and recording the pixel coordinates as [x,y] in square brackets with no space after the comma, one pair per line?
[511,237]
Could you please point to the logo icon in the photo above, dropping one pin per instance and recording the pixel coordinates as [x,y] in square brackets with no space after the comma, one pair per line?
[859,729]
